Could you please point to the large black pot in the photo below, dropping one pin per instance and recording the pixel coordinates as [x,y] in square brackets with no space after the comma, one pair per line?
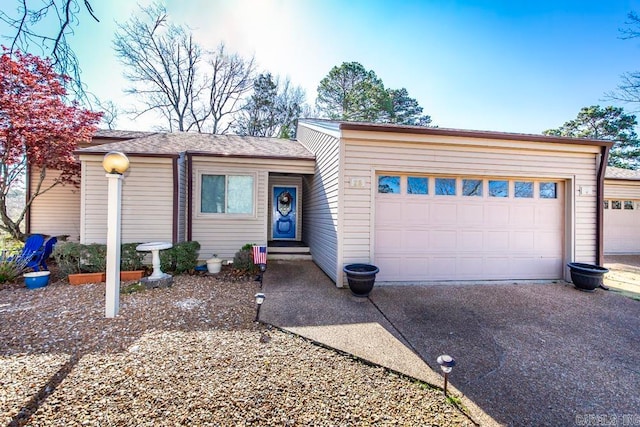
[361,278]
[586,277]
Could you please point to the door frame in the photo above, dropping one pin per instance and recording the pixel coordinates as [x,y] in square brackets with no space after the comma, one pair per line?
[298,210]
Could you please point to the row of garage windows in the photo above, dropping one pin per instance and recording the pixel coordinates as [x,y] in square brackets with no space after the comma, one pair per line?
[469,187]
[620,204]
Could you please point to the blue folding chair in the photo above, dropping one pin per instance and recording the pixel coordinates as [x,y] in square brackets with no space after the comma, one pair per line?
[39,260]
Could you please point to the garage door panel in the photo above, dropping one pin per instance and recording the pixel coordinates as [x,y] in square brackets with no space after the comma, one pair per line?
[443,240]
[622,228]
[433,237]
[471,240]
[496,241]
[471,215]
[523,241]
[443,214]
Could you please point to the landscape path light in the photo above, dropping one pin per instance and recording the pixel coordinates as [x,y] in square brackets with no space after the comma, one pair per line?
[446,363]
[259,300]
[115,164]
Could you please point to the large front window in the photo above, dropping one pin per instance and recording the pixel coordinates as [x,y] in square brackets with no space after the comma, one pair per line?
[230,194]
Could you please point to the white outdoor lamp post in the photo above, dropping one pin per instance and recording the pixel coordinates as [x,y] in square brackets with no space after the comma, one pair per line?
[259,300]
[446,363]
[115,164]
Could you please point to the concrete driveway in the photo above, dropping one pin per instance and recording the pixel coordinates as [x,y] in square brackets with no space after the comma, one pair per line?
[528,354]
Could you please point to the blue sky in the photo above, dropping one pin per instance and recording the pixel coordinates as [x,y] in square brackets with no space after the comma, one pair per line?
[515,66]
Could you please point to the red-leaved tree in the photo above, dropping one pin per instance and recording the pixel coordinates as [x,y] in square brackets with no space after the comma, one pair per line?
[38,131]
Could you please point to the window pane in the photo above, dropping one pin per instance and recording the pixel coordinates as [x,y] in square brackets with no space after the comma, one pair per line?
[445,186]
[212,198]
[606,204]
[417,185]
[499,188]
[616,204]
[240,194]
[523,189]
[548,190]
[628,204]
[472,187]
[388,184]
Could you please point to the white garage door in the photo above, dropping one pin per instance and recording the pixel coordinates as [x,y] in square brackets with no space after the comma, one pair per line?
[621,226]
[466,228]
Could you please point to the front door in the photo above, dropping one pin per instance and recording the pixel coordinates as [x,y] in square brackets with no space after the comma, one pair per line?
[284,214]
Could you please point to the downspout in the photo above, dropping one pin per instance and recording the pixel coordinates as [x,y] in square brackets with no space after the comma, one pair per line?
[604,158]
[189,196]
[176,201]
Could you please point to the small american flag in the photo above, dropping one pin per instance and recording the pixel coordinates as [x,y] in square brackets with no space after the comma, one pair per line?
[259,254]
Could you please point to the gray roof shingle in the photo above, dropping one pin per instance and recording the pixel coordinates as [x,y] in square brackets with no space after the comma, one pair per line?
[172,144]
[620,173]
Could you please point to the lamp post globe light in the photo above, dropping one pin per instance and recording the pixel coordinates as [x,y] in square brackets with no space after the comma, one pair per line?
[446,363]
[115,164]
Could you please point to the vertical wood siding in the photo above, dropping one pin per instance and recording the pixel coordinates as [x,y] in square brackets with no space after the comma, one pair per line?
[147,201]
[56,212]
[368,153]
[320,201]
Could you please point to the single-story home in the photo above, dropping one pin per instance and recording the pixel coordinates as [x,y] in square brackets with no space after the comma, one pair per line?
[423,204]
[621,211]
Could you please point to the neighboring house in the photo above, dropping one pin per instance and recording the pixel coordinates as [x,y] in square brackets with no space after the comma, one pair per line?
[424,204]
[622,211]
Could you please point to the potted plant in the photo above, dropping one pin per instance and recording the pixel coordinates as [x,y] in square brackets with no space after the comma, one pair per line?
[214,265]
[361,278]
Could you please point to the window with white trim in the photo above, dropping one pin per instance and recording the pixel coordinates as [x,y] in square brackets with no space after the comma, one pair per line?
[227,194]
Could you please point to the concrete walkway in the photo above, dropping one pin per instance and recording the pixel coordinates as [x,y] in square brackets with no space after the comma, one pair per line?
[528,354]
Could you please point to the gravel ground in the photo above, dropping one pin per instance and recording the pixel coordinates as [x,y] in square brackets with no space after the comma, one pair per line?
[186,355]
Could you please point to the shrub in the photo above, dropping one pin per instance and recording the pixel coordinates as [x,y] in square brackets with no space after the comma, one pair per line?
[72,257]
[11,268]
[68,257]
[130,258]
[181,257]
[243,259]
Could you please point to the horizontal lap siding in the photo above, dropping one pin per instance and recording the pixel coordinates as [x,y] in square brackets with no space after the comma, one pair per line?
[320,200]
[57,211]
[147,201]
[225,235]
[363,158]
[621,190]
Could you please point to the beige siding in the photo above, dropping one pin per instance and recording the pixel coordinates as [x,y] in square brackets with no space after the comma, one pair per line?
[368,153]
[224,235]
[57,211]
[147,200]
[621,190]
[320,202]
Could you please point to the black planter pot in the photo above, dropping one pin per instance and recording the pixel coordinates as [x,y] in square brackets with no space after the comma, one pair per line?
[361,278]
[586,277]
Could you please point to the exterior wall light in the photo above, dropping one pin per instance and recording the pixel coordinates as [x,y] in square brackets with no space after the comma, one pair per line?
[446,363]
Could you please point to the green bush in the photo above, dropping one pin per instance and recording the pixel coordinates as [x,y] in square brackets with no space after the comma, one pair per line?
[243,259]
[68,256]
[130,258]
[180,258]
[72,257]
